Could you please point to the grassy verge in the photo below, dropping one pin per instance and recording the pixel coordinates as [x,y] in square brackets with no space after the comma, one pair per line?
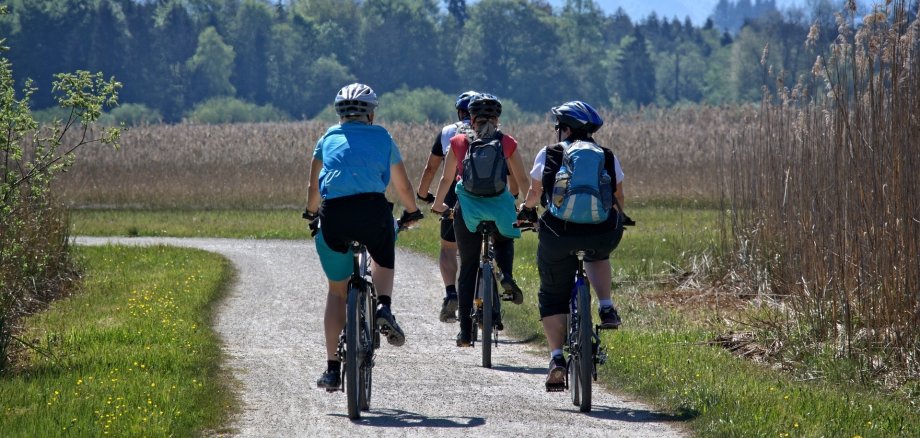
[662,352]
[131,354]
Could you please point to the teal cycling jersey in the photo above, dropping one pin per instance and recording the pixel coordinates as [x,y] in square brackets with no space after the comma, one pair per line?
[356,159]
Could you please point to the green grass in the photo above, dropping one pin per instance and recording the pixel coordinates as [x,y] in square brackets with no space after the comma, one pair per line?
[260,224]
[131,354]
[660,353]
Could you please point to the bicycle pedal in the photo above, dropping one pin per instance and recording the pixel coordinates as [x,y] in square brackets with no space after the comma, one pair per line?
[555,387]
[331,390]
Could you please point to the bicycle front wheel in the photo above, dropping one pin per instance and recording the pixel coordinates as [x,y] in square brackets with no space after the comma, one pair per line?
[352,345]
[585,366]
[488,305]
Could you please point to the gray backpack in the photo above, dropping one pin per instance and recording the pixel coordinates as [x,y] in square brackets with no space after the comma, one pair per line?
[485,172]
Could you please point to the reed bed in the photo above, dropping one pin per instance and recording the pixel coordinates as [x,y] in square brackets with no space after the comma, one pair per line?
[664,153]
[825,203]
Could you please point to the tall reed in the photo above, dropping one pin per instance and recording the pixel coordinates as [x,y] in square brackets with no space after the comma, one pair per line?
[826,198]
[665,154]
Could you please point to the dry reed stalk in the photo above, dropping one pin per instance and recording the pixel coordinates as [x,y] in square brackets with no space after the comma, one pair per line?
[665,154]
[825,198]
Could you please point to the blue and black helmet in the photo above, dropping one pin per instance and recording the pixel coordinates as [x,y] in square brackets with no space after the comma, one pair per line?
[484,104]
[463,100]
[578,116]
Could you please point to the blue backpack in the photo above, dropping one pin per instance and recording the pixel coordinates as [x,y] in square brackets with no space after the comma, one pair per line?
[582,192]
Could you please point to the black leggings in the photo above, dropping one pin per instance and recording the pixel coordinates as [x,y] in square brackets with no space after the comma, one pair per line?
[468,245]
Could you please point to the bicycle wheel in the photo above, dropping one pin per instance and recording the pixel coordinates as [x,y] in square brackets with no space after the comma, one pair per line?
[572,365]
[367,344]
[352,345]
[486,292]
[585,366]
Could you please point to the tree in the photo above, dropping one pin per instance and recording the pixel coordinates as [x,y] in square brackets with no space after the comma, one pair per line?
[509,49]
[633,77]
[399,41]
[251,39]
[581,32]
[210,67]
[457,10]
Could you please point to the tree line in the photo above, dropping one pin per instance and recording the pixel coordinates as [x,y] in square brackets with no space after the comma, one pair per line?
[293,55]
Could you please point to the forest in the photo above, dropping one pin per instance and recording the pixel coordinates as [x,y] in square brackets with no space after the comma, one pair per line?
[283,60]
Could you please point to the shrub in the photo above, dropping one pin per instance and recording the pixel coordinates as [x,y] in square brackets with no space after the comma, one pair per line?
[232,110]
[132,114]
[34,258]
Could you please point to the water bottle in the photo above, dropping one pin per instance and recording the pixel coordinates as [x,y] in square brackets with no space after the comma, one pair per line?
[606,189]
[561,186]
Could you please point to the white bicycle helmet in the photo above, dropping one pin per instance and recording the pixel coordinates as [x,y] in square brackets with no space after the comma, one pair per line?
[355,99]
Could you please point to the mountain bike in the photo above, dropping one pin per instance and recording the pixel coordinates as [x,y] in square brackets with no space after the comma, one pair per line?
[486,311]
[583,340]
[361,336]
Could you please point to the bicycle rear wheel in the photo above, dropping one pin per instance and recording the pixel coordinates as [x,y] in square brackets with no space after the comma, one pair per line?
[585,367]
[486,292]
[352,382]
[368,332]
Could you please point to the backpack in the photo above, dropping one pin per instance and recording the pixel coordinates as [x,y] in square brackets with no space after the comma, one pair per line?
[582,192]
[485,172]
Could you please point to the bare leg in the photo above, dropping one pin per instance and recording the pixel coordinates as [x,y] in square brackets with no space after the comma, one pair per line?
[448,262]
[554,328]
[599,275]
[334,320]
[383,280]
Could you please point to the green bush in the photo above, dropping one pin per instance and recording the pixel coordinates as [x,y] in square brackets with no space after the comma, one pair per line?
[426,105]
[232,110]
[132,114]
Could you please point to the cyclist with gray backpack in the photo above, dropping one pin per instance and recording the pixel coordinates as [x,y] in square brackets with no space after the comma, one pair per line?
[480,162]
[580,183]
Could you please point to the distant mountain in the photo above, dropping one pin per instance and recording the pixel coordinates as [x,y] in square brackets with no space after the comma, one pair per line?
[697,10]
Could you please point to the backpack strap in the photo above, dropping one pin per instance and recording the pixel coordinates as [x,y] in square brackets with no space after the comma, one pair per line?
[554,157]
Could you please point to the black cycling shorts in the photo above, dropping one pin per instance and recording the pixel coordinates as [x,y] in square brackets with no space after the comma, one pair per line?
[366,218]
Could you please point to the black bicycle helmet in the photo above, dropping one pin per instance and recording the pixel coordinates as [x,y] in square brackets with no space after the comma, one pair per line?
[355,99]
[485,104]
[578,116]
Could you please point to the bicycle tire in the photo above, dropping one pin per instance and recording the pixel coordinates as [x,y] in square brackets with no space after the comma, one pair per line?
[585,351]
[485,289]
[352,382]
[572,365]
[368,329]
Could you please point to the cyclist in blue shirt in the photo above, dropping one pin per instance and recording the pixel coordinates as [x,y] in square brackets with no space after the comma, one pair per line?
[353,163]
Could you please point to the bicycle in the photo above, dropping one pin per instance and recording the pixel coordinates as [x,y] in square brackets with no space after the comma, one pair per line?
[583,342]
[486,301]
[361,336]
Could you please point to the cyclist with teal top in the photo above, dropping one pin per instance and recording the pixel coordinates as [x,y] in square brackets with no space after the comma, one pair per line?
[480,163]
[353,163]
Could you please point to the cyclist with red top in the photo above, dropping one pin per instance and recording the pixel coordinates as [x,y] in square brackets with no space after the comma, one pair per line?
[482,196]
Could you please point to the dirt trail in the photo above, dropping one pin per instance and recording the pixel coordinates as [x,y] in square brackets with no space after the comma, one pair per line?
[271,326]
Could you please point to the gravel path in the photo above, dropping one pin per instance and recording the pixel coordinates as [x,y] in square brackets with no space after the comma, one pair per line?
[271,326]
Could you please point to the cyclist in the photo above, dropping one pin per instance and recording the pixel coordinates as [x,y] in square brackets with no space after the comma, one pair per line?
[471,209]
[352,165]
[558,239]
[447,261]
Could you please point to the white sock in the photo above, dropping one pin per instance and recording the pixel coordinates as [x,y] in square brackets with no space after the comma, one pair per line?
[556,352]
[606,303]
